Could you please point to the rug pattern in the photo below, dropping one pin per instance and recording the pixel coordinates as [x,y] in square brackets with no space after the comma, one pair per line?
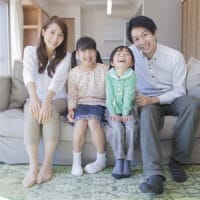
[101,186]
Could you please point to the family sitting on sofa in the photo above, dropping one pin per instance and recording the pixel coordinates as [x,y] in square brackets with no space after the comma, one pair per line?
[98,95]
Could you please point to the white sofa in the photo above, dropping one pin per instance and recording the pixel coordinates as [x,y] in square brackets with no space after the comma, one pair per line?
[12,150]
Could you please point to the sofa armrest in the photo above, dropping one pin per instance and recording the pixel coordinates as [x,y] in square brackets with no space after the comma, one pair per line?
[5,85]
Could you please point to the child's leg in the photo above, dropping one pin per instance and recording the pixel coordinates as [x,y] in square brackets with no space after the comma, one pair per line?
[115,136]
[131,134]
[98,139]
[78,141]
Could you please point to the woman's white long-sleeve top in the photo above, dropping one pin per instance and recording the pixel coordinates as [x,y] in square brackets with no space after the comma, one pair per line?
[42,81]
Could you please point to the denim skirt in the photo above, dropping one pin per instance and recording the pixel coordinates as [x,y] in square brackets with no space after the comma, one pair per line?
[89,111]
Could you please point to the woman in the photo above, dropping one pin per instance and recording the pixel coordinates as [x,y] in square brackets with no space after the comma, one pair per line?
[45,72]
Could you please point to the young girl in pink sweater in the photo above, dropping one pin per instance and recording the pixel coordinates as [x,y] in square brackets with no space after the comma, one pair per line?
[86,103]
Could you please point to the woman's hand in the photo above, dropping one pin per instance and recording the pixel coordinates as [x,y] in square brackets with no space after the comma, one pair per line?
[70,116]
[45,112]
[35,107]
[46,108]
[34,100]
[116,117]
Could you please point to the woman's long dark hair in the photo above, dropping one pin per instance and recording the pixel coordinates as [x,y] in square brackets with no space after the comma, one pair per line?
[60,51]
[120,48]
[85,43]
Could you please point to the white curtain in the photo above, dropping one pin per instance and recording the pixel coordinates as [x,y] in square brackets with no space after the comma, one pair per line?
[16,28]
[4,39]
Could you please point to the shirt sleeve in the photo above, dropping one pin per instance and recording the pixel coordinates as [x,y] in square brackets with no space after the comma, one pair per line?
[29,65]
[179,71]
[72,91]
[109,95]
[60,77]
[129,95]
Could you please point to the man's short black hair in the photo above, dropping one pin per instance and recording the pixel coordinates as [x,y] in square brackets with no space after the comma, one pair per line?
[141,21]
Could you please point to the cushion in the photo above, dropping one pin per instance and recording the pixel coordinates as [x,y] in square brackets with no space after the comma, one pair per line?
[19,93]
[18,68]
[4,92]
[193,78]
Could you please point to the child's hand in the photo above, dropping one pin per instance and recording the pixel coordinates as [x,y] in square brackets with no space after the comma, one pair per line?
[115,117]
[70,116]
[126,118]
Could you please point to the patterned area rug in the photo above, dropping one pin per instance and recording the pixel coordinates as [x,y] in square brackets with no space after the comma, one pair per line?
[101,186]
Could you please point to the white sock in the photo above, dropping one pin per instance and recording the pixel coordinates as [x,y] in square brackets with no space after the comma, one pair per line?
[76,165]
[97,165]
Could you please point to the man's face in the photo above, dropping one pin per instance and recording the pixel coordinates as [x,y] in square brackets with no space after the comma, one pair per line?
[144,40]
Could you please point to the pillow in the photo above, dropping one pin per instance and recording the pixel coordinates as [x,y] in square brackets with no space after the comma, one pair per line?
[17,69]
[193,77]
[19,93]
[4,92]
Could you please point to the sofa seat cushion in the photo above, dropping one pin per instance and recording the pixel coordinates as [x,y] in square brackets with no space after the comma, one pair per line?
[168,127]
[11,123]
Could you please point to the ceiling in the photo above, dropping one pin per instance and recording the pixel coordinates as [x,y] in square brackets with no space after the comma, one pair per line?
[91,3]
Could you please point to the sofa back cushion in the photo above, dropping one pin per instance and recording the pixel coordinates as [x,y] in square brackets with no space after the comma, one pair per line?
[193,77]
[5,85]
[19,93]
[18,70]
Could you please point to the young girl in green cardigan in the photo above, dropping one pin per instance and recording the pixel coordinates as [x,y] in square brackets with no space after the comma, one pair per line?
[120,95]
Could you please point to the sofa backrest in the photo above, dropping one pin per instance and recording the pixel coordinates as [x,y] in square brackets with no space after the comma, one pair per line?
[5,85]
[17,71]
[193,77]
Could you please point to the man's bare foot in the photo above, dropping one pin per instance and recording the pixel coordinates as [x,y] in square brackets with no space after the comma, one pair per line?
[31,178]
[44,175]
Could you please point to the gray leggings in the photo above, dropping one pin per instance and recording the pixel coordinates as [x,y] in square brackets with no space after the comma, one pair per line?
[122,137]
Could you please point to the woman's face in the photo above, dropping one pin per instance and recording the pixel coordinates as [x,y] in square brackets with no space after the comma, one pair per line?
[122,59]
[53,37]
[87,57]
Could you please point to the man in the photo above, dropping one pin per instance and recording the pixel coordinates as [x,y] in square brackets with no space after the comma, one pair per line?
[161,74]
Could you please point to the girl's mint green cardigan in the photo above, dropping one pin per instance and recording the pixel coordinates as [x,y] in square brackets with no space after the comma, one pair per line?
[120,92]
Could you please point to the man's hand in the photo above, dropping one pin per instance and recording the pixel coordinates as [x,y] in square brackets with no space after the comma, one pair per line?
[145,100]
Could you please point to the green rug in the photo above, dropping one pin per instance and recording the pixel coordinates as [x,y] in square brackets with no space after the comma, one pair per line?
[101,186]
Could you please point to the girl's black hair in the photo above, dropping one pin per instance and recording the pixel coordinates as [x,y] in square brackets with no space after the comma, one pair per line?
[141,21]
[120,48]
[84,43]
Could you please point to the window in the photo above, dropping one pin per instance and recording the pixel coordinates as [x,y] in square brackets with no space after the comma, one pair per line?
[4,39]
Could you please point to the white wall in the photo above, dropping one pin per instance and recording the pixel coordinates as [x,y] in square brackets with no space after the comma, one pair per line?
[167,15]
[69,12]
[93,24]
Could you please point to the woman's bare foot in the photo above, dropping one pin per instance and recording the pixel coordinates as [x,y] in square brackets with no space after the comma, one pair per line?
[45,174]
[31,178]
